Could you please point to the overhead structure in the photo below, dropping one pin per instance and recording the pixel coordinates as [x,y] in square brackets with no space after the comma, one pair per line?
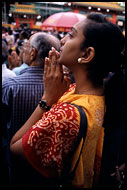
[24,14]
[115,6]
[111,9]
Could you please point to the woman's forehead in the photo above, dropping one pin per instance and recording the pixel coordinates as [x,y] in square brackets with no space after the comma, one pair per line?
[79,28]
[80,25]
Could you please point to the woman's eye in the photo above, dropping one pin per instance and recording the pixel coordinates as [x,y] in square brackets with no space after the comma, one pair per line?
[70,34]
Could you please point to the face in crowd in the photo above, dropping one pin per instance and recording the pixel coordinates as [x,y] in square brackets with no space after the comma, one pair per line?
[71,45]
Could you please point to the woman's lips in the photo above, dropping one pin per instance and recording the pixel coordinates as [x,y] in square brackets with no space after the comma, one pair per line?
[61,50]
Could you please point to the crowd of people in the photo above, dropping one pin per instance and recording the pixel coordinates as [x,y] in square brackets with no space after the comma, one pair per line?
[15,40]
[46,80]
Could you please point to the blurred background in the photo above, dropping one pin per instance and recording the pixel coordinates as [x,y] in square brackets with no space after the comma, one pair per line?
[21,15]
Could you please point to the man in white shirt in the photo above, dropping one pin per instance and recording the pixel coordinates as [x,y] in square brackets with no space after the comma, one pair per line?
[6,73]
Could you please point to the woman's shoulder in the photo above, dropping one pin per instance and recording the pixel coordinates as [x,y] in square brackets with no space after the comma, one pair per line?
[71,88]
[64,110]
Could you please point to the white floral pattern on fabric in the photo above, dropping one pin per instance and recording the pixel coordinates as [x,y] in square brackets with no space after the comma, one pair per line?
[52,138]
[99,115]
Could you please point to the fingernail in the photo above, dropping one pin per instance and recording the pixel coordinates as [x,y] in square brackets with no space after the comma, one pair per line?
[53,48]
[58,53]
[50,52]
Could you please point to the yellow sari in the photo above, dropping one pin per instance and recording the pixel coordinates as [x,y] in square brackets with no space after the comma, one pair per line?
[88,168]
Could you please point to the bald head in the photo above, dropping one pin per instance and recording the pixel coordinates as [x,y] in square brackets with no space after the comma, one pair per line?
[43,42]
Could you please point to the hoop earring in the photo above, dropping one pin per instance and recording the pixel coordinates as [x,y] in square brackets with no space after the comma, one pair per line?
[79,60]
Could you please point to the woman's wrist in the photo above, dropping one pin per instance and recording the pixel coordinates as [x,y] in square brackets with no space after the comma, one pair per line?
[43,105]
[49,101]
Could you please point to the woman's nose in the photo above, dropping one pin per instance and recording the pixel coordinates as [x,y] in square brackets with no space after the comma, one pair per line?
[64,39]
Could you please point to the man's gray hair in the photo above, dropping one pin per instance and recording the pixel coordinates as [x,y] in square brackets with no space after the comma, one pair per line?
[43,42]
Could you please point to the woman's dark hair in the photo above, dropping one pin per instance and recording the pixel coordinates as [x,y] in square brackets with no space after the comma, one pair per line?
[108,42]
[107,68]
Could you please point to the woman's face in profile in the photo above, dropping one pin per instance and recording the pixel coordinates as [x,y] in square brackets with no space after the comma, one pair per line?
[71,45]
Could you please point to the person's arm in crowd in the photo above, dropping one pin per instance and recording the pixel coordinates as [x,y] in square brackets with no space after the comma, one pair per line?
[13,60]
[53,79]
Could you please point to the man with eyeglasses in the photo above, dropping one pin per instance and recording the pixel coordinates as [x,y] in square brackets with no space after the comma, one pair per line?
[21,95]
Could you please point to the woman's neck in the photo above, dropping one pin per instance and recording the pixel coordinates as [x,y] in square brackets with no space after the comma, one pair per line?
[85,86]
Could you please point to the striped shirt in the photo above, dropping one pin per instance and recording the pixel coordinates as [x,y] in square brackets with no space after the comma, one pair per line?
[20,96]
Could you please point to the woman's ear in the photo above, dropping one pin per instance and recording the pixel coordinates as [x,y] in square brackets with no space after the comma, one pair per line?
[88,55]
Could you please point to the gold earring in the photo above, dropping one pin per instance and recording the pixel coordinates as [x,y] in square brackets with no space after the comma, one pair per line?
[79,60]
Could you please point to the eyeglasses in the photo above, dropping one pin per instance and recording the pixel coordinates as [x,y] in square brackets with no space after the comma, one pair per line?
[25,45]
